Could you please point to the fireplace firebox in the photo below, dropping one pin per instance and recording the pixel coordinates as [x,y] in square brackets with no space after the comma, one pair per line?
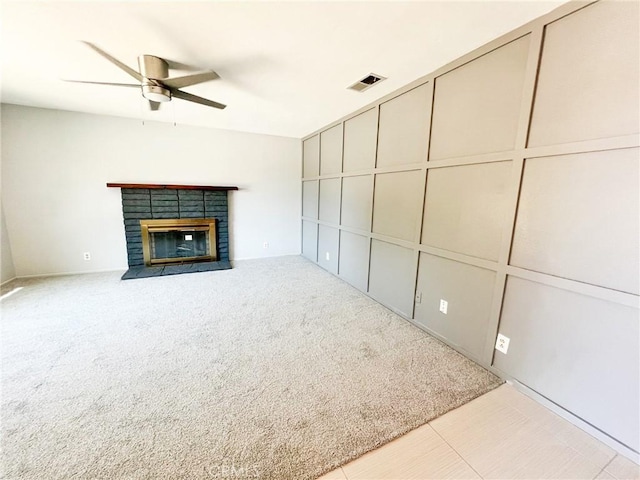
[178,240]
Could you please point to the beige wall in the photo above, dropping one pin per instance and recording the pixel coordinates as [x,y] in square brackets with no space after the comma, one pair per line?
[506,184]
[55,166]
[7,269]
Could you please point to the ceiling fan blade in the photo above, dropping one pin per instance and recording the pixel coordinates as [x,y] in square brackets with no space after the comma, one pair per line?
[180,82]
[153,106]
[115,61]
[104,83]
[195,99]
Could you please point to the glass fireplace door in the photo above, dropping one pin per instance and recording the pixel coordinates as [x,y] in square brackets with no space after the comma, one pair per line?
[169,241]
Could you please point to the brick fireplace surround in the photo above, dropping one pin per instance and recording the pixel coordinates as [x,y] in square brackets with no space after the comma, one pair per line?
[151,201]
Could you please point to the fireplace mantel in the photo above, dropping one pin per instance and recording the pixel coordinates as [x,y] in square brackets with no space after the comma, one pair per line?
[177,187]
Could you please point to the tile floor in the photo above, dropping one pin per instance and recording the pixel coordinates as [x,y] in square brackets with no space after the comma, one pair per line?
[500,435]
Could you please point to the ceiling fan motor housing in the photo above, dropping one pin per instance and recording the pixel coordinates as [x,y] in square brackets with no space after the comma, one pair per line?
[154,68]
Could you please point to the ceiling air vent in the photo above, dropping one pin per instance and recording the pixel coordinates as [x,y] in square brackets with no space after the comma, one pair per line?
[367,82]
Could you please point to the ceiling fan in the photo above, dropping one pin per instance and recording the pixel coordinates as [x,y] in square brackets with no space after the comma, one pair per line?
[154,80]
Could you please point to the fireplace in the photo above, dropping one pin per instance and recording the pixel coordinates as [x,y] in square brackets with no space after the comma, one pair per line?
[173,229]
[178,240]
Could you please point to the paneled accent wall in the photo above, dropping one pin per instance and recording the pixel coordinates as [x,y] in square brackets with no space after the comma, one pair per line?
[507,184]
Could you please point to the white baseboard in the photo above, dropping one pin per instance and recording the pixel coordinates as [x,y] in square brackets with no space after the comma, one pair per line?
[84,272]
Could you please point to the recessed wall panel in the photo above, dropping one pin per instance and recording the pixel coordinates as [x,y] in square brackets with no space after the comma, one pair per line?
[357,193]
[397,203]
[468,292]
[331,151]
[328,248]
[310,240]
[392,276]
[476,107]
[360,138]
[579,218]
[579,351]
[310,199]
[311,157]
[354,259]
[588,85]
[330,200]
[465,208]
[403,131]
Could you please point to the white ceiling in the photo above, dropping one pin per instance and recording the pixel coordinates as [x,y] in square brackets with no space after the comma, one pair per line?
[284,66]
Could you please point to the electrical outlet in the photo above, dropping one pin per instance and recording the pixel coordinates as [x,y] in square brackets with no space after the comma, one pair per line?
[87,255]
[265,245]
[502,343]
[419,297]
[444,306]
[327,256]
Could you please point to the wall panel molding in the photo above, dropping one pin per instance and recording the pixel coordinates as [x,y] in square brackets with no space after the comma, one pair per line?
[394,248]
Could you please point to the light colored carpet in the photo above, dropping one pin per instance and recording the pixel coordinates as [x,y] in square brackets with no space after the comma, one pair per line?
[272,370]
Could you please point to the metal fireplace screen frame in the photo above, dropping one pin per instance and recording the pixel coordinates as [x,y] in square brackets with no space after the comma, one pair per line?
[178,225]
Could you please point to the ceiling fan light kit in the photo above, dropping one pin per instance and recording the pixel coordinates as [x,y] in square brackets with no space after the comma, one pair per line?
[154,93]
[153,75]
